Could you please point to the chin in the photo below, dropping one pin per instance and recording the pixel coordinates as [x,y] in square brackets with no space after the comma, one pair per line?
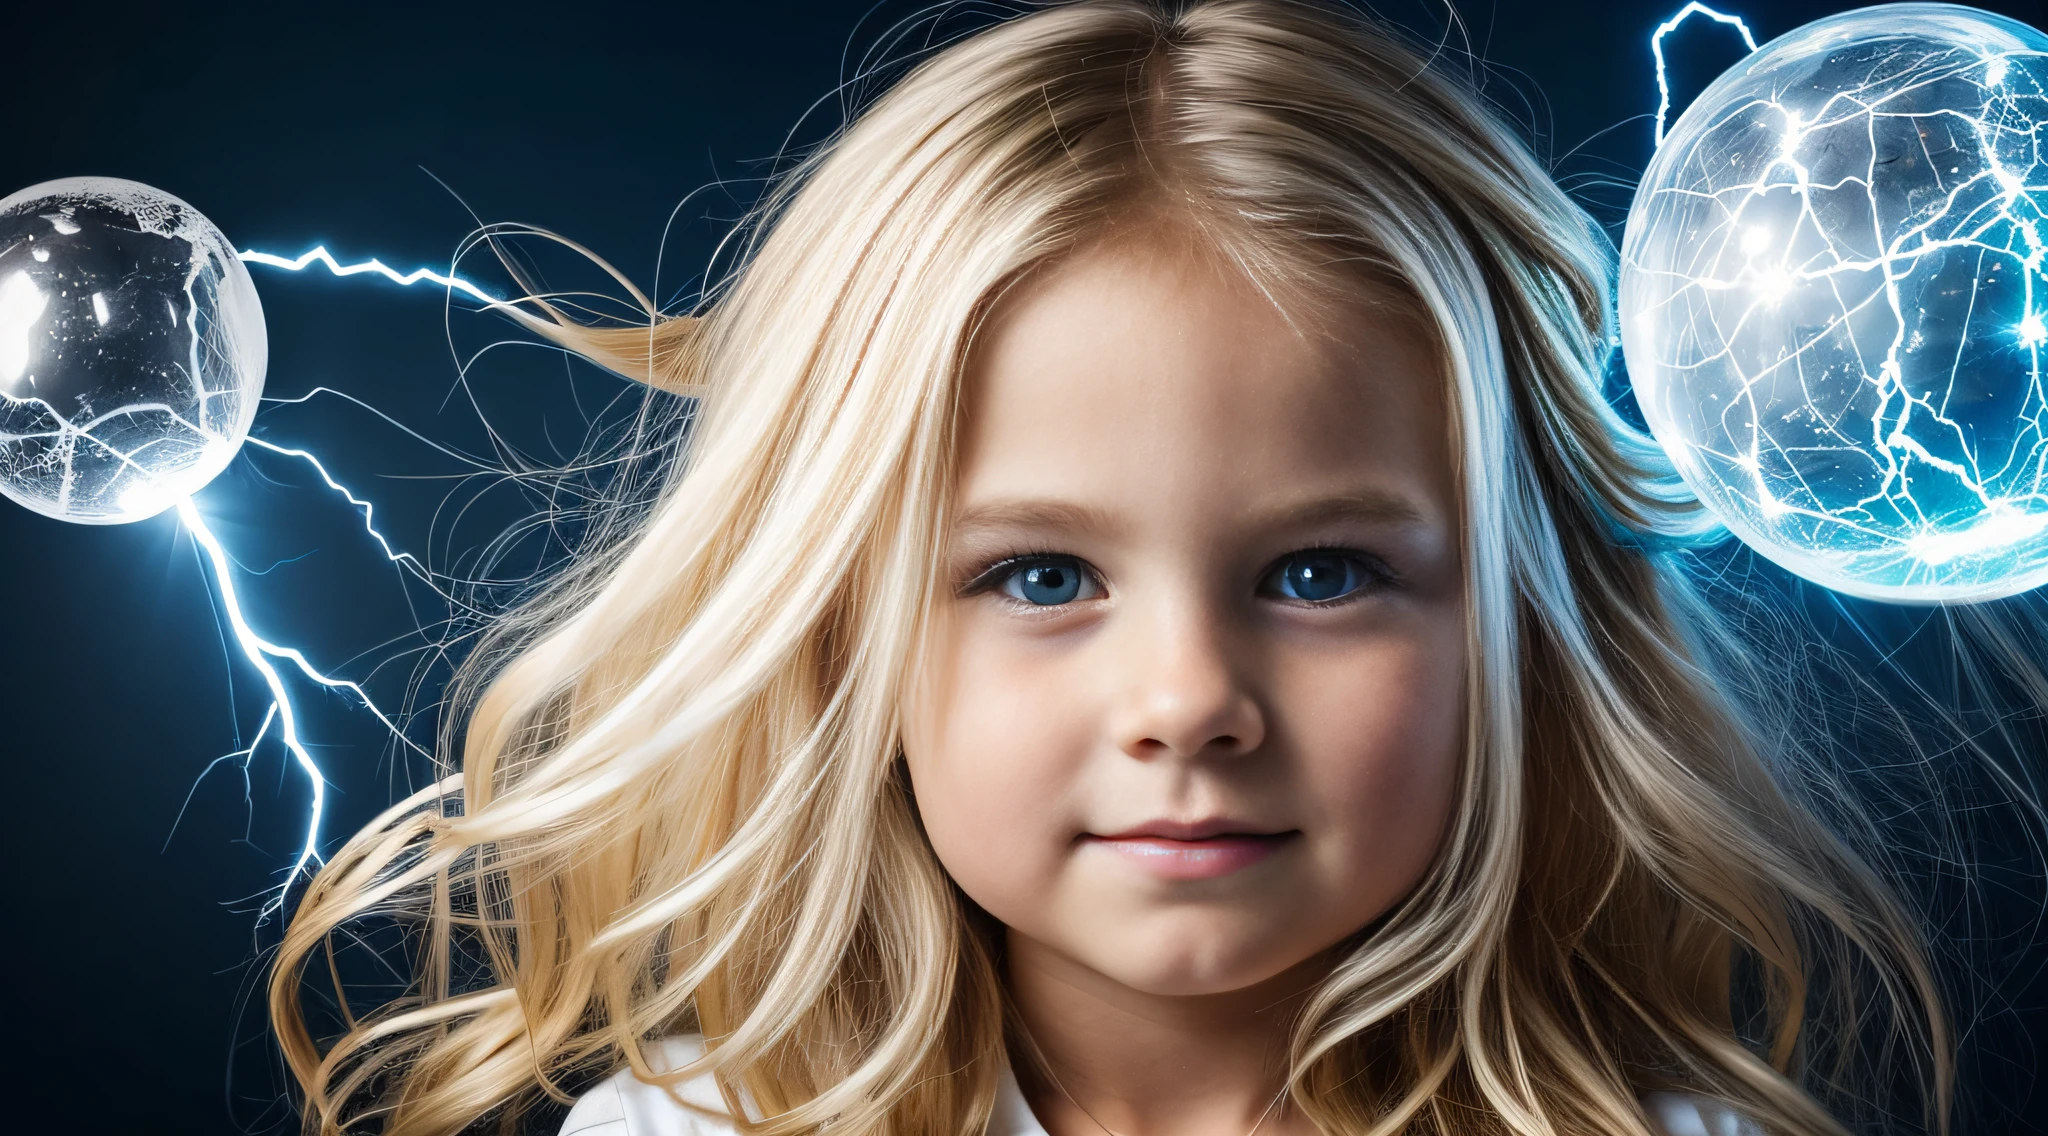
[1194,966]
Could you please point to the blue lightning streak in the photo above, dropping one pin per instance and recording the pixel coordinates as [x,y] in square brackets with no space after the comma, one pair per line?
[260,652]
[319,255]
[1695,8]
[405,560]
[263,654]
[243,756]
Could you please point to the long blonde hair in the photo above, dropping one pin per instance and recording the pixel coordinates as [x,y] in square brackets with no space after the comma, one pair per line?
[678,805]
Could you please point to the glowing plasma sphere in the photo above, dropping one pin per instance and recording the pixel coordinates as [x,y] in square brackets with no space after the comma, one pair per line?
[1834,305]
[132,350]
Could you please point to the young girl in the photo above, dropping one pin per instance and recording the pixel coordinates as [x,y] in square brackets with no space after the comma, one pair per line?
[1157,631]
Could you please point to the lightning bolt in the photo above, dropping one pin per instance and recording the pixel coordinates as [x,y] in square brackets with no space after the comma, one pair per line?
[263,654]
[1694,8]
[319,255]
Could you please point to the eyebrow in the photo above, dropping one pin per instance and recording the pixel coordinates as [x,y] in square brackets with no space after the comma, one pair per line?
[1371,506]
[1034,514]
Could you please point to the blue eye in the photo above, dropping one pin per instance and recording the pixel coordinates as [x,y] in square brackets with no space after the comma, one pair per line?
[1047,583]
[1318,577]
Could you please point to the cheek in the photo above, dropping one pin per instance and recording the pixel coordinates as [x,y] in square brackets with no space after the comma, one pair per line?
[1380,737]
[995,738]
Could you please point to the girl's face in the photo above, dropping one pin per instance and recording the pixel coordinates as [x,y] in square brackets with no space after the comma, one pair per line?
[1193,712]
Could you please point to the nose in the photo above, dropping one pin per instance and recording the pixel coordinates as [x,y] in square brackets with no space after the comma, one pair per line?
[1184,694]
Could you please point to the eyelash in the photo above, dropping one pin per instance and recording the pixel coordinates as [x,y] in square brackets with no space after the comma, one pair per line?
[1378,575]
[994,575]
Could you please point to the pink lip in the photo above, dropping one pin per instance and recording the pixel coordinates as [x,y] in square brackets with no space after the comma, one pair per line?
[1203,850]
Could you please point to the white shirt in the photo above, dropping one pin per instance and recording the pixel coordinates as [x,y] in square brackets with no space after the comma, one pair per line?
[623,1105]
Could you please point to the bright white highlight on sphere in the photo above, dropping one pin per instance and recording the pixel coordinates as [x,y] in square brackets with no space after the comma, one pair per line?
[1834,302]
[132,350]
[21,305]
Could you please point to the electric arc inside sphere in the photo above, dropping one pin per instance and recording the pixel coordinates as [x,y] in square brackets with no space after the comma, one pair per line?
[132,350]
[1834,305]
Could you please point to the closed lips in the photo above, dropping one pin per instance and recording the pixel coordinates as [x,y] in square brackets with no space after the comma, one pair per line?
[1192,852]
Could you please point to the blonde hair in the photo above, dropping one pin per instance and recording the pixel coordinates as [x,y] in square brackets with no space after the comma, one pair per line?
[679,809]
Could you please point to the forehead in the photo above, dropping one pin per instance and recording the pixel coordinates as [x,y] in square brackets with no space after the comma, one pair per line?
[1155,373]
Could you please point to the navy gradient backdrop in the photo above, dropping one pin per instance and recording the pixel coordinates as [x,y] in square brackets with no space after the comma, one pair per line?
[128,937]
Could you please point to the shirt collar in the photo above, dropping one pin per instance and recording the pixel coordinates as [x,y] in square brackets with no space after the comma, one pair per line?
[1012,1116]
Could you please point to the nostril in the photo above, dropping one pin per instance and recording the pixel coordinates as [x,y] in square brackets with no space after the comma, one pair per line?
[1174,724]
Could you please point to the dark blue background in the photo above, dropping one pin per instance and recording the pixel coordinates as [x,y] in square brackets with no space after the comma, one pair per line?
[129,948]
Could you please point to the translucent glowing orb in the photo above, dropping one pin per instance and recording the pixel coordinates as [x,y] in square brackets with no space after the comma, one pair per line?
[1834,305]
[131,350]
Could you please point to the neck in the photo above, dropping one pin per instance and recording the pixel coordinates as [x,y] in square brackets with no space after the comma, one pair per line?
[1135,1063]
